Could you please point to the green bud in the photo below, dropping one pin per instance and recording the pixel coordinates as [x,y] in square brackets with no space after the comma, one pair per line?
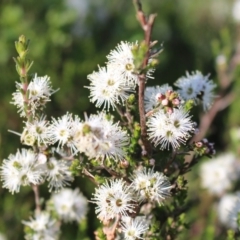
[180,181]
[230,235]
[75,167]
[173,95]
[28,64]
[27,139]
[22,46]
[189,105]
[154,62]
[131,99]
[86,129]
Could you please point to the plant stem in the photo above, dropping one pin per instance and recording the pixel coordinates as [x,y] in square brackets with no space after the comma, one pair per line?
[147,25]
[37,198]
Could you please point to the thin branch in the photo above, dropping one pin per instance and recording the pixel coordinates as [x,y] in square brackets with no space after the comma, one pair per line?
[37,198]
[125,115]
[110,232]
[208,117]
[89,176]
[147,25]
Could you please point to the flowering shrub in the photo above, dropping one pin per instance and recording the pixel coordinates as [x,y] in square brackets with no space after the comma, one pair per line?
[137,160]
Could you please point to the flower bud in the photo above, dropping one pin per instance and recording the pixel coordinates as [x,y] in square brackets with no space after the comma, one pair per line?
[124,164]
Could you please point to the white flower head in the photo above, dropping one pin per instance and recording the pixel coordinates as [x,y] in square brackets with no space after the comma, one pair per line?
[134,229]
[39,92]
[18,100]
[43,227]
[198,88]
[228,210]
[58,174]
[67,131]
[217,175]
[150,186]
[102,138]
[36,131]
[236,10]
[113,198]
[167,129]
[151,93]
[122,60]
[108,88]
[2,236]
[69,204]
[21,169]
[40,89]
[60,129]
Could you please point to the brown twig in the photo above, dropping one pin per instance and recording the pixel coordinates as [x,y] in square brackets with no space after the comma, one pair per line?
[208,117]
[225,77]
[89,176]
[110,232]
[147,25]
[37,198]
[125,115]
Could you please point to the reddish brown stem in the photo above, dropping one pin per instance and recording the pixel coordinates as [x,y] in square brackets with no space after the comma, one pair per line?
[147,25]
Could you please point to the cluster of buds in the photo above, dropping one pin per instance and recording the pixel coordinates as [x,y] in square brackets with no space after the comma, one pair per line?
[204,147]
[169,100]
[23,65]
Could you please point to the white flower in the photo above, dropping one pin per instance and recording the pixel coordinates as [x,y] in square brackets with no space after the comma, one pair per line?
[228,210]
[18,100]
[2,236]
[134,228]
[150,186]
[23,169]
[221,60]
[43,227]
[36,131]
[70,204]
[67,131]
[113,198]
[236,10]
[101,138]
[121,59]
[58,174]
[198,88]
[39,89]
[218,174]
[170,128]
[151,93]
[61,129]
[108,88]
[38,94]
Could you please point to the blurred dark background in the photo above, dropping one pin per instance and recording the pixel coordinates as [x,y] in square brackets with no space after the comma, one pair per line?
[69,38]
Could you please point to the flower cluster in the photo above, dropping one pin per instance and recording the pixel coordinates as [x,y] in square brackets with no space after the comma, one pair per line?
[167,129]
[113,155]
[114,198]
[150,186]
[196,87]
[134,228]
[39,91]
[70,205]
[218,174]
[42,227]
[112,84]
[23,169]
[152,94]
[26,168]
[37,132]
[229,209]
[97,136]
